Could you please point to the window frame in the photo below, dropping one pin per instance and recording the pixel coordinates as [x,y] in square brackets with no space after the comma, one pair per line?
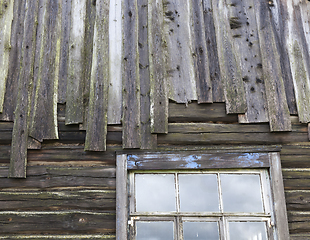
[199,160]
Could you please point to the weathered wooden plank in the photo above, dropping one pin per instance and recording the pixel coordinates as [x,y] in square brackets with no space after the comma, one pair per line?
[279,115]
[202,113]
[305,236]
[299,60]
[101,200]
[295,161]
[64,44]
[6,18]
[20,131]
[57,222]
[229,61]
[246,43]
[115,54]
[131,81]
[299,222]
[200,54]
[148,140]
[297,184]
[17,30]
[297,200]
[75,83]
[98,101]
[210,38]
[158,90]
[43,118]
[297,173]
[197,161]
[63,236]
[180,73]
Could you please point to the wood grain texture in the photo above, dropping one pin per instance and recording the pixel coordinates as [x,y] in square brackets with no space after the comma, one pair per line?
[210,38]
[6,18]
[200,54]
[60,236]
[75,82]
[180,73]
[275,90]
[43,116]
[131,80]
[19,144]
[229,61]
[297,200]
[148,140]
[98,100]
[158,87]
[299,222]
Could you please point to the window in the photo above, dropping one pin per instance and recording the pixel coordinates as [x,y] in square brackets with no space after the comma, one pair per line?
[196,196]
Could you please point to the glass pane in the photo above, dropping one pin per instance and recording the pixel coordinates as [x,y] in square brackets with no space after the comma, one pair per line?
[155,193]
[241,193]
[247,231]
[200,230]
[198,193]
[154,230]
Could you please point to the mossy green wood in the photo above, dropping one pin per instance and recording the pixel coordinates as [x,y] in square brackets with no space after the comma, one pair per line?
[18,159]
[229,61]
[158,87]
[43,118]
[6,18]
[279,115]
[130,73]
[98,100]
[75,81]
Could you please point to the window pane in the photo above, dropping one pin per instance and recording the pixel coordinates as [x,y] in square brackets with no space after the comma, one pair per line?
[247,231]
[154,230]
[155,193]
[198,193]
[241,193]
[200,230]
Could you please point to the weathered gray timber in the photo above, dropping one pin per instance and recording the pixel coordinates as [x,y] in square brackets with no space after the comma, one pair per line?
[131,80]
[210,38]
[17,32]
[297,200]
[6,18]
[43,117]
[59,236]
[299,222]
[180,74]
[148,140]
[64,45]
[75,82]
[228,60]
[98,99]
[158,77]
[275,91]
[200,54]
[20,130]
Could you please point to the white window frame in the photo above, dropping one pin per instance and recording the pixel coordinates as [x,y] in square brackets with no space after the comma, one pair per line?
[200,160]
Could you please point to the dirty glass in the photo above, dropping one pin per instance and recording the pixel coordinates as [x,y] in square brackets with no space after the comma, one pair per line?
[200,230]
[155,193]
[247,231]
[241,193]
[154,230]
[198,193]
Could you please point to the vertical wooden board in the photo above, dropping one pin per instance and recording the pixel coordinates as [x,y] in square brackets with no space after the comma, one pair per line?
[148,140]
[229,60]
[210,38]
[299,58]
[11,92]
[245,38]
[131,82]
[278,9]
[200,56]
[64,43]
[180,73]
[279,115]
[43,118]
[75,81]
[159,99]
[98,100]
[115,51]
[6,18]
[18,158]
